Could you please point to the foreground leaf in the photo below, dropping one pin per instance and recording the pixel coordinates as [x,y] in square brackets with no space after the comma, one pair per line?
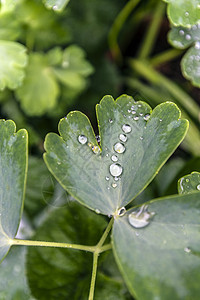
[182,38]
[13,61]
[39,91]
[134,146]
[13,167]
[183,12]
[189,183]
[161,260]
[57,5]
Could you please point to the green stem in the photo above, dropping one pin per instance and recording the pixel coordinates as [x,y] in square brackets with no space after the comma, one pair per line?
[152,32]
[105,248]
[105,234]
[52,244]
[94,274]
[116,27]
[165,56]
[182,98]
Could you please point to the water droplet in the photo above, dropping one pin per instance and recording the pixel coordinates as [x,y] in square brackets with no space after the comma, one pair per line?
[141,138]
[123,137]
[198,187]
[160,120]
[197,45]
[82,139]
[114,185]
[107,155]
[186,13]
[108,188]
[98,138]
[58,162]
[97,211]
[187,250]
[96,149]
[188,37]
[146,117]
[119,148]
[114,158]
[132,107]
[137,233]
[136,118]
[126,128]
[181,32]
[140,217]
[116,178]
[133,112]
[110,121]
[55,7]
[107,178]
[187,180]
[116,170]
[141,114]
[121,212]
[129,111]
[139,105]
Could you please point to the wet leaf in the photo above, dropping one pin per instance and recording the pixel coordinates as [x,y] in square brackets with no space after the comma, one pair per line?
[135,143]
[189,183]
[56,5]
[12,65]
[182,38]
[162,259]
[183,12]
[13,167]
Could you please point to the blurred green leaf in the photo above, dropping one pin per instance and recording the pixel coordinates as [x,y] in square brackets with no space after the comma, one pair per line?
[9,27]
[189,183]
[39,91]
[8,5]
[57,5]
[161,260]
[13,153]
[183,38]
[130,156]
[183,12]
[13,61]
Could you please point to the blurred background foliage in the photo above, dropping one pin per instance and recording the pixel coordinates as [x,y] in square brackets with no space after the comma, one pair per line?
[61,55]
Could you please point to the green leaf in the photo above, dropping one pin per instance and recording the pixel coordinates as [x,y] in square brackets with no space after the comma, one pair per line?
[74,68]
[9,27]
[109,177]
[161,260]
[8,5]
[189,183]
[183,12]
[39,91]
[65,273]
[56,5]
[183,38]
[13,282]
[13,167]
[12,64]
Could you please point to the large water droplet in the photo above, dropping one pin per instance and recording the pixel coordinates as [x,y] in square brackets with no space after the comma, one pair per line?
[119,148]
[140,217]
[114,185]
[188,37]
[95,149]
[116,170]
[121,212]
[198,187]
[82,139]
[126,128]
[114,158]
[123,137]
[197,45]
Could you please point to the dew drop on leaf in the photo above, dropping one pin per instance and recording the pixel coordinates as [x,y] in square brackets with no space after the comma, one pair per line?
[187,250]
[126,128]
[97,211]
[119,148]
[110,121]
[136,118]
[116,170]
[181,32]
[197,45]
[188,37]
[146,117]
[114,158]
[198,187]
[121,212]
[82,139]
[140,218]
[123,137]
[114,185]
[107,178]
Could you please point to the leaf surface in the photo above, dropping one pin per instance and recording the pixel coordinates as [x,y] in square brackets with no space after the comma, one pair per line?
[134,146]
[13,61]
[182,38]
[183,12]
[13,167]
[56,5]
[161,260]
[189,183]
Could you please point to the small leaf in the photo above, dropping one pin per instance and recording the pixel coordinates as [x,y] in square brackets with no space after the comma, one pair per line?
[13,61]
[134,145]
[183,12]
[189,183]
[39,91]
[183,38]
[57,5]
[161,260]
[13,167]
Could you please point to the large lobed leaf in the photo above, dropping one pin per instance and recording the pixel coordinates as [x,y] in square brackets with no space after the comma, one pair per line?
[161,260]
[101,177]
[13,168]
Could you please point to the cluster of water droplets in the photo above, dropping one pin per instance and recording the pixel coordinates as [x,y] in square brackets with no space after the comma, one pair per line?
[186,186]
[140,217]
[82,139]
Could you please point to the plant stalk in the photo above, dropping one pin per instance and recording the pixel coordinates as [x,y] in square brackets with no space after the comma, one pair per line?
[94,274]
